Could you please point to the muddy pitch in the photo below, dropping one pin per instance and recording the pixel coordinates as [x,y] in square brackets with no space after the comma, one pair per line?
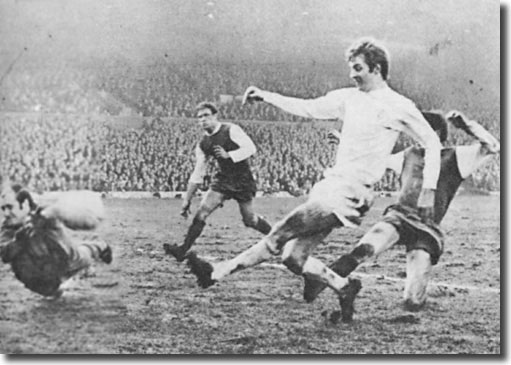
[146,303]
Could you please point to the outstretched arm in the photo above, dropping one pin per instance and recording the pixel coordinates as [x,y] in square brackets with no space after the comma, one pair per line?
[472,157]
[330,106]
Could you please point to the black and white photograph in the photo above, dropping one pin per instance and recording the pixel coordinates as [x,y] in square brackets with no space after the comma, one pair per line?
[239,177]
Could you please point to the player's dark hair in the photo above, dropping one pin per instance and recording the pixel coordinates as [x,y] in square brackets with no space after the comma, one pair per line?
[373,52]
[207,105]
[438,123]
[16,188]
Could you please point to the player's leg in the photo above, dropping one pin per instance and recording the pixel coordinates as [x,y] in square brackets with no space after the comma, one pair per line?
[211,201]
[418,273]
[473,128]
[296,256]
[306,220]
[251,219]
[380,237]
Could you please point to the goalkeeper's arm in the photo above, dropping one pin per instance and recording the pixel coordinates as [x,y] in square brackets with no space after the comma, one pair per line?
[77,210]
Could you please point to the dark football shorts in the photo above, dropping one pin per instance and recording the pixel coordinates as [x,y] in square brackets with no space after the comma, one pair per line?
[415,234]
[241,188]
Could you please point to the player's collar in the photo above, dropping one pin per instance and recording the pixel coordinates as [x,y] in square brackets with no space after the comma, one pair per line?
[215,131]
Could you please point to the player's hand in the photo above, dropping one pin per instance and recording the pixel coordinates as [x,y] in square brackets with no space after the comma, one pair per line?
[333,136]
[252,94]
[426,204]
[220,152]
[185,209]
[457,119]
[23,195]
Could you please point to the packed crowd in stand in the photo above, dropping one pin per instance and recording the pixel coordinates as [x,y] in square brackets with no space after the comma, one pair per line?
[160,90]
[70,151]
[57,127]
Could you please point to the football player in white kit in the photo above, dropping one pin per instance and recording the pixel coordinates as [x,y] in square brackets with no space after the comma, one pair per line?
[373,116]
[400,224]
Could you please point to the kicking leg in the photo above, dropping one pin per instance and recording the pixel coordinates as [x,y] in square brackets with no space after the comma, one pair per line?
[208,205]
[471,127]
[418,273]
[296,257]
[380,238]
[209,273]
[307,220]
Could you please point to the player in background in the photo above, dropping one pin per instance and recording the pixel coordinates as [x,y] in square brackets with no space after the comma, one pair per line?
[231,147]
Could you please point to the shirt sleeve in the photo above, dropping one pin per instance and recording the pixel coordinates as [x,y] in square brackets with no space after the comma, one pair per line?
[329,106]
[247,147]
[197,176]
[419,129]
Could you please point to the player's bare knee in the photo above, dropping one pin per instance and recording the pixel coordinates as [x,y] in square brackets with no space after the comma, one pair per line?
[206,208]
[279,235]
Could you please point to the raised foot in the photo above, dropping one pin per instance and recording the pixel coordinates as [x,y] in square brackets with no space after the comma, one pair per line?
[457,119]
